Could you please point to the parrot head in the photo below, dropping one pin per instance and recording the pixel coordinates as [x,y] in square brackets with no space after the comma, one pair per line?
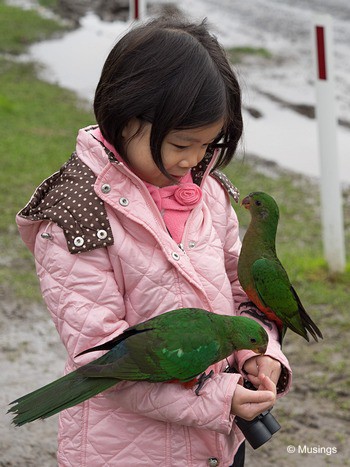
[249,334]
[260,345]
[261,205]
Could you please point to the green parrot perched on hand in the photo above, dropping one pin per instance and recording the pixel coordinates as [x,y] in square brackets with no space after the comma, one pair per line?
[176,346]
[262,275]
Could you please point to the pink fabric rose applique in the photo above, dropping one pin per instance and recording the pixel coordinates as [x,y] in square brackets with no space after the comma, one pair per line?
[175,203]
[188,194]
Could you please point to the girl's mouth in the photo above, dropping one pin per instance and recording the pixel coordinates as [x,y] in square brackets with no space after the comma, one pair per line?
[179,176]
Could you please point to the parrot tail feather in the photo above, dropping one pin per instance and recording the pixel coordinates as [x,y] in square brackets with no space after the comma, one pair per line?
[307,322]
[56,396]
[310,325]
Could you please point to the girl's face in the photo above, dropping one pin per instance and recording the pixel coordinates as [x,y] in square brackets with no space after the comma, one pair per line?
[181,150]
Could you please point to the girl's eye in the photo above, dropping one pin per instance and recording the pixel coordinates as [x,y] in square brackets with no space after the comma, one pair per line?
[177,146]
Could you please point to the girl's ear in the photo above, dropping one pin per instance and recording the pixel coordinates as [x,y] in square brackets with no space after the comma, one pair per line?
[131,129]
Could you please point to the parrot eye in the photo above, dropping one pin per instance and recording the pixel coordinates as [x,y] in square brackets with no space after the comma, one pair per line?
[258,203]
[252,340]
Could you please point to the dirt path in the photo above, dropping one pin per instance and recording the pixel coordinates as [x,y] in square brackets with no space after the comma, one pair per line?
[31,355]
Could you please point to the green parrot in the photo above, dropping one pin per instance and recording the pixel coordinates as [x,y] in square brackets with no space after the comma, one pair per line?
[176,346]
[262,275]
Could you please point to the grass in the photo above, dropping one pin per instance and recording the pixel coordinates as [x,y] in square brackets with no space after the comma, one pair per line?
[39,122]
[19,28]
[238,54]
[39,125]
[51,4]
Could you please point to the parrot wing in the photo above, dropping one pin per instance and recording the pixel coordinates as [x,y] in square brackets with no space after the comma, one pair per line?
[190,359]
[276,293]
[149,356]
[112,343]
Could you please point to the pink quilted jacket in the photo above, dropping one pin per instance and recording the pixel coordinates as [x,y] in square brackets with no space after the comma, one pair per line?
[106,261]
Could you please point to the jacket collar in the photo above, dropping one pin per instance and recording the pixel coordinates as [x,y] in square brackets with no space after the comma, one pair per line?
[199,172]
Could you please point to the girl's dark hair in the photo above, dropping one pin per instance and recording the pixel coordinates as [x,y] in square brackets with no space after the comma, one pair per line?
[175,75]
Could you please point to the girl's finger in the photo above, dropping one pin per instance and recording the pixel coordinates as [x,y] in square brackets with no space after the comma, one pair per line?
[266,384]
[251,366]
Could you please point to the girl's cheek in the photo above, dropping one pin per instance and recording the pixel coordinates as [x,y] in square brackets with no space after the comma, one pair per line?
[170,159]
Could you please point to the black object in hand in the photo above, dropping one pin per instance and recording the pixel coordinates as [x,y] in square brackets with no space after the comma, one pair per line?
[261,428]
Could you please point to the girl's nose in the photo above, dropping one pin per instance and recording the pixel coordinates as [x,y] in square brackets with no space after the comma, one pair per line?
[191,160]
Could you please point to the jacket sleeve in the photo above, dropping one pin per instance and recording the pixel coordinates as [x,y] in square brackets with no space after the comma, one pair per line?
[70,285]
[226,218]
[172,402]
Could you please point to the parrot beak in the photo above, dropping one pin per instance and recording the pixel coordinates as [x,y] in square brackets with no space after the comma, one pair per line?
[246,202]
[260,350]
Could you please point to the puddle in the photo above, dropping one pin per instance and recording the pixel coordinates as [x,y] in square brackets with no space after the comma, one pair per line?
[282,135]
[75,61]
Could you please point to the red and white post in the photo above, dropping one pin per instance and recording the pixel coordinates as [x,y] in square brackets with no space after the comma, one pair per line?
[137,10]
[331,196]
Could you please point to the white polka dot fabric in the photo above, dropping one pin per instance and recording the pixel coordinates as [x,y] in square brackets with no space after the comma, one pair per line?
[231,189]
[68,199]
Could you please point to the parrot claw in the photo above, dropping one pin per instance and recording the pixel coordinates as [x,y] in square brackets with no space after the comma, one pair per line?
[246,305]
[254,311]
[202,379]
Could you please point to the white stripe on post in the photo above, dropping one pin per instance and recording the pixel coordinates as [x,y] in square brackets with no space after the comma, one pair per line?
[331,197]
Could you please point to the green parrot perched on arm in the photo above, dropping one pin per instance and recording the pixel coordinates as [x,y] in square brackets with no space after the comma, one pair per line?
[262,275]
[176,346]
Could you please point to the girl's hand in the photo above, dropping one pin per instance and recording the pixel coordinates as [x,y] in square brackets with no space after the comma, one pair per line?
[262,364]
[248,404]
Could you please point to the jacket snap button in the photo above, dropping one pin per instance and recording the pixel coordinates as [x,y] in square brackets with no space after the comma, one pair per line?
[213,462]
[78,241]
[123,201]
[175,256]
[106,188]
[191,244]
[101,234]
[46,236]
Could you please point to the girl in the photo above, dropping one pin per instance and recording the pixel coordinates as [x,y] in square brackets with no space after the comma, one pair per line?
[139,222]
